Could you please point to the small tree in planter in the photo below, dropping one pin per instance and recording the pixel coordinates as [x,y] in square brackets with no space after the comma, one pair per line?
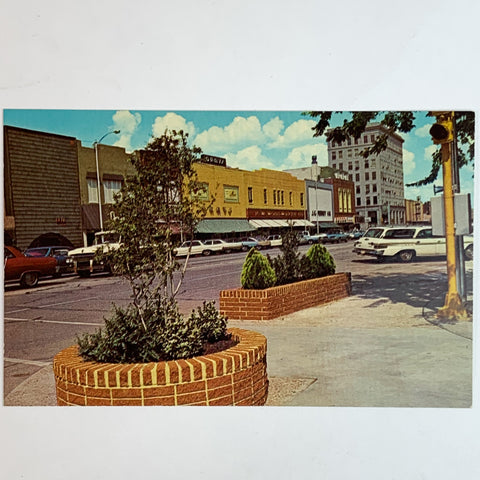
[160,200]
[257,273]
[318,262]
[287,265]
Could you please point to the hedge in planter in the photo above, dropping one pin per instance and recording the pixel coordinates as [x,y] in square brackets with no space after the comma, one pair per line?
[314,283]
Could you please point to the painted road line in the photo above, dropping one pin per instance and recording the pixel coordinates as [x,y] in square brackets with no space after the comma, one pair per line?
[39,320]
[37,363]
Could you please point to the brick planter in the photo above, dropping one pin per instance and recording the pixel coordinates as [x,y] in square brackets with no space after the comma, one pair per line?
[236,376]
[241,304]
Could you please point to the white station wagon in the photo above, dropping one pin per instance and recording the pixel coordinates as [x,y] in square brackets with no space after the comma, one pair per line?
[405,243]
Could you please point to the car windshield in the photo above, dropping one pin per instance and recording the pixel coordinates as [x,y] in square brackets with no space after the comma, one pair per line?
[38,252]
[373,232]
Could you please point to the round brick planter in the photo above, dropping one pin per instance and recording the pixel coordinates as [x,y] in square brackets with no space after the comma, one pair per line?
[236,376]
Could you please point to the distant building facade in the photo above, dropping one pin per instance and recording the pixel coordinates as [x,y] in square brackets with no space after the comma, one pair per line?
[379,182]
[41,189]
[417,212]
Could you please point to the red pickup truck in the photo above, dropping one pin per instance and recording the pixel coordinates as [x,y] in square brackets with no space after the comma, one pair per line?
[25,269]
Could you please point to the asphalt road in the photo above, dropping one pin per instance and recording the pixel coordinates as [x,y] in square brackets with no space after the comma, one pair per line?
[42,321]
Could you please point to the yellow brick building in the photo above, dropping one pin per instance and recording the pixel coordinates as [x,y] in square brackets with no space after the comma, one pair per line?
[246,200]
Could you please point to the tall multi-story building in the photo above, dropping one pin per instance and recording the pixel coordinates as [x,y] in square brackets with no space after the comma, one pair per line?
[379,187]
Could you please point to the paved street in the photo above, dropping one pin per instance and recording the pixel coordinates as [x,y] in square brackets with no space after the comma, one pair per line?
[380,347]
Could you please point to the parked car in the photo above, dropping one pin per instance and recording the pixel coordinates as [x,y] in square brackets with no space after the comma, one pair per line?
[195,247]
[405,243]
[217,245]
[64,262]
[248,243]
[306,237]
[356,235]
[27,270]
[275,240]
[335,236]
[84,258]
[262,242]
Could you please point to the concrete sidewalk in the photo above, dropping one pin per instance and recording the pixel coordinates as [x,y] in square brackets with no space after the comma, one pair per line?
[381,347]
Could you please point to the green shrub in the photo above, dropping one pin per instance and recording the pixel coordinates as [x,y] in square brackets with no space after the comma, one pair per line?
[287,265]
[167,335]
[318,262]
[257,272]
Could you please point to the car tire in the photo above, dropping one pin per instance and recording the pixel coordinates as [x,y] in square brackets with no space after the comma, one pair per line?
[469,252]
[406,256]
[244,248]
[29,279]
[206,252]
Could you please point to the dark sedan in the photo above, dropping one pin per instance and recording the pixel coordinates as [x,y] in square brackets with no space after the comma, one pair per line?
[65,264]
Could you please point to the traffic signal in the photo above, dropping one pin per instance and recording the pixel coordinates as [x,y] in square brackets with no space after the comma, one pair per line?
[442,129]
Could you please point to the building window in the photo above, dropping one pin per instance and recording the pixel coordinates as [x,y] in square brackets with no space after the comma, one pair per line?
[367,176]
[250,195]
[265,196]
[368,200]
[274,197]
[374,187]
[334,165]
[356,141]
[350,166]
[301,199]
[372,138]
[375,200]
[374,175]
[359,201]
[110,188]
[340,166]
[365,139]
[357,189]
[92,190]
[340,154]
[349,152]
[283,199]
[357,177]
[334,155]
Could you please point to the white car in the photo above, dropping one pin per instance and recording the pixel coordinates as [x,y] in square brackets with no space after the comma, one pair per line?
[405,243]
[275,240]
[83,258]
[219,245]
[195,247]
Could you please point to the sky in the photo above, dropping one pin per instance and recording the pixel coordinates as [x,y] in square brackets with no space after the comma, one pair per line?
[249,140]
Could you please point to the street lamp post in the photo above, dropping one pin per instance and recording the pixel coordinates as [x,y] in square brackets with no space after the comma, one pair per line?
[315,164]
[95,146]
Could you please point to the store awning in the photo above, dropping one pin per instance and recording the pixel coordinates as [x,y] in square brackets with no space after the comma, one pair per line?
[269,223]
[327,225]
[217,225]
[303,223]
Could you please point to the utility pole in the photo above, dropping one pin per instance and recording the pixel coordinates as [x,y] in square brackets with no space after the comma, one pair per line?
[442,133]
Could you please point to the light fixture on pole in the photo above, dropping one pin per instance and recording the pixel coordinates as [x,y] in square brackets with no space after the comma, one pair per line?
[95,146]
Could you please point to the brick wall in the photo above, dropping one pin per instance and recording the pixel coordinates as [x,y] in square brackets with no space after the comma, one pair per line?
[241,304]
[236,376]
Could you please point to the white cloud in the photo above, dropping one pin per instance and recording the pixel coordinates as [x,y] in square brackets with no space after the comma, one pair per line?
[273,128]
[429,151]
[424,131]
[250,158]
[127,123]
[297,133]
[408,162]
[172,121]
[241,132]
[300,157]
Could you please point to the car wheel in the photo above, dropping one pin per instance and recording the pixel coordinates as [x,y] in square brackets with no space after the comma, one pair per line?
[406,256]
[206,252]
[29,279]
[244,248]
[469,252]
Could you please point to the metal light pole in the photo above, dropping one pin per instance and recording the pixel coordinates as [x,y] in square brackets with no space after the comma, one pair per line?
[95,146]
[315,164]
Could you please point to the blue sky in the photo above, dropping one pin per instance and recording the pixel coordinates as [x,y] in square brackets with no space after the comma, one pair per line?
[247,139]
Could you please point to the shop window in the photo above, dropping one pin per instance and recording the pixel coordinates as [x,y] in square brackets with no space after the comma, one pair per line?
[92,190]
[110,188]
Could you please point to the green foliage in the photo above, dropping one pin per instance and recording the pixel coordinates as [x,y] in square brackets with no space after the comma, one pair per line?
[158,199]
[257,273]
[318,262]
[287,265]
[401,122]
[167,336]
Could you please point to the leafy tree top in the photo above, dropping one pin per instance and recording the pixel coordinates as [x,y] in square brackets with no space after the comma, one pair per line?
[394,122]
